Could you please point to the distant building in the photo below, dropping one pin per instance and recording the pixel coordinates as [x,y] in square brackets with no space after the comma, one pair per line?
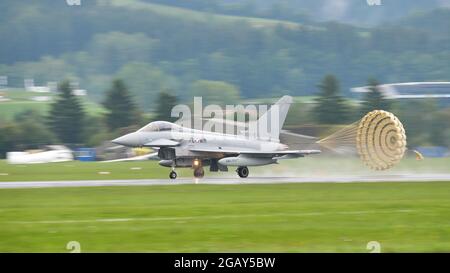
[79,92]
[30,87]
[51,87]
[2,97]
[52,153]
[41,98]
[411,90]
[3,82]
[85,154]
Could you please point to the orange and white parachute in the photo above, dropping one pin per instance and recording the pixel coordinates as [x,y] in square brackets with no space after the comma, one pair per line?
[380,140]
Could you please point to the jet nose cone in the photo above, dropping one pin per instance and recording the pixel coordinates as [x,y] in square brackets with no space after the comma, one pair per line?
[131,140]
[119,140]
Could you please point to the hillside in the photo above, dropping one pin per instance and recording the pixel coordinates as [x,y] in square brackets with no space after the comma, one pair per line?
[197,16]
[356,12]
[156,47]
[435,22]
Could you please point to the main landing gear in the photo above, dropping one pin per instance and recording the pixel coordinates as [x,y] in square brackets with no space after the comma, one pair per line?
[198,168]
[199,172]
[173,174]
[242,171]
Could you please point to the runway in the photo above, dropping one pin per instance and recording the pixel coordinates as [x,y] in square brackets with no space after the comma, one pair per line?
[227,181]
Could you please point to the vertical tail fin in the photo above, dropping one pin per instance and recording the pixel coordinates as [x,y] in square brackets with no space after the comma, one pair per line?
[270,123]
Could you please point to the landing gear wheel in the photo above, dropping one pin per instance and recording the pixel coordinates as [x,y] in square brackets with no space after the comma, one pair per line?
[242,172]
[199,173]
[173,175]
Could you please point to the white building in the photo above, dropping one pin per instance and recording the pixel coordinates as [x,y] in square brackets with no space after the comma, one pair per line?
[54,153]
[411,90]
[30,87]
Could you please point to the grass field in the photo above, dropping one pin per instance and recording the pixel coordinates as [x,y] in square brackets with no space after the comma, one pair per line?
[85,171]
[9,109]
[307,217]
[21,100]
[402,217]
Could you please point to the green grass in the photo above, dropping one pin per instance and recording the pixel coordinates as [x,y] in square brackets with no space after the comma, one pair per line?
[402,217]
[21,100]
[84,171]
[9,109]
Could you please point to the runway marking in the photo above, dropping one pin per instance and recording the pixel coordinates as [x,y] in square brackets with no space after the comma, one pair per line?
[207,217]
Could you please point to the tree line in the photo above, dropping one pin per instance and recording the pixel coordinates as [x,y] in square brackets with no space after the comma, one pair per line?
[67,121]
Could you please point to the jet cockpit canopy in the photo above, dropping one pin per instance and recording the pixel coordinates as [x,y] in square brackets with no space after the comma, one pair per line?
[158,126]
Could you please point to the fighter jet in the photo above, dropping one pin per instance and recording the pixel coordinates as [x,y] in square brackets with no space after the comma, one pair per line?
[180,146]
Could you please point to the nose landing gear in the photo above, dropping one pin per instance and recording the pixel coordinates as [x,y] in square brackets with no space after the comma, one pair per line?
[173,175]
[242,171]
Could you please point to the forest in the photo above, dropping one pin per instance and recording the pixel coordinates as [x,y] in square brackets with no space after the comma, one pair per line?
[154,46]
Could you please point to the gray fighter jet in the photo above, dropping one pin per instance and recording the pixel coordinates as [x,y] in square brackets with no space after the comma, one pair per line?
[179,146]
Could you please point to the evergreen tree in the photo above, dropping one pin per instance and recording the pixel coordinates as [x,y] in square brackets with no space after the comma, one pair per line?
[166,101]
[9,138]
[122,111]
[330,108]
[374,99]
[66,117]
